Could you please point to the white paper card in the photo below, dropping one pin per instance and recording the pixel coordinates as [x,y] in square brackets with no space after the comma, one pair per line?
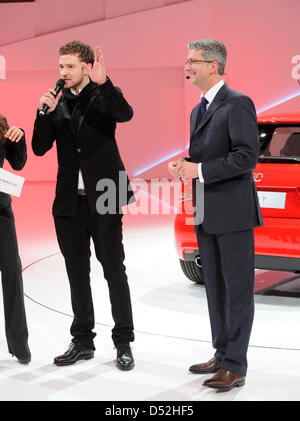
[11,183]
[270,199]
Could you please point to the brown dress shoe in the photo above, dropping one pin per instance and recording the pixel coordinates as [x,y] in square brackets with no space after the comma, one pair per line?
[224,380]
[211,366]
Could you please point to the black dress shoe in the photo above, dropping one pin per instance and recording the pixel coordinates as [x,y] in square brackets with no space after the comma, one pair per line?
[125,359]
[74,353]
[24,360]
[24,354]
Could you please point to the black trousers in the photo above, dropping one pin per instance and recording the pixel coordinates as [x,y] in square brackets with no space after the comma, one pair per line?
[12,286]
[74,235]
[228,272]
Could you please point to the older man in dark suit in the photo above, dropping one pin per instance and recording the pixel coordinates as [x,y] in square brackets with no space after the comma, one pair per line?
[223,152]
[83,122]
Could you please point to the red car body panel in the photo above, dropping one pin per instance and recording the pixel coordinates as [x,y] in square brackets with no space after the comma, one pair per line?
[279,239]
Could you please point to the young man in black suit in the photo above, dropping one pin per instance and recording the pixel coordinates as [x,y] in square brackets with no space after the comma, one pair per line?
[223,152]
[83,122]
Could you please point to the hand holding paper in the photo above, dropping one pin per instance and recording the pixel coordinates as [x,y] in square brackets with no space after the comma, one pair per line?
[10,183]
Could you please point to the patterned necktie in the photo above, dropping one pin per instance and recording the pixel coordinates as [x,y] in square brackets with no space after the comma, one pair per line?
[202,109]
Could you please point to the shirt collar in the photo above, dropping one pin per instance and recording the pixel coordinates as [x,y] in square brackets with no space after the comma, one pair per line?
[210,95]
[74,92]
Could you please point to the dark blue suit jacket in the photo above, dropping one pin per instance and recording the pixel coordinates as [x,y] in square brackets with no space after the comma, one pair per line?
[226,143]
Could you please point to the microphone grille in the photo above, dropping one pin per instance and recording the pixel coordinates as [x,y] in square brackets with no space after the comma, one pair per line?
[60,83]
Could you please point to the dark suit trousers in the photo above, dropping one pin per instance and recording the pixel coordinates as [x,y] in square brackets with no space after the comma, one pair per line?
[12,286]
[228,272]
[74,235]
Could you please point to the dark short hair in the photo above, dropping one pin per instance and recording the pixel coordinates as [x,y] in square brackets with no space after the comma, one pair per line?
[3,128]
[84,51]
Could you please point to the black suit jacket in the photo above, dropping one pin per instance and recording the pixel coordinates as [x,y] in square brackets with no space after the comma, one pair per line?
[16,154]
[226,143]
[88,143]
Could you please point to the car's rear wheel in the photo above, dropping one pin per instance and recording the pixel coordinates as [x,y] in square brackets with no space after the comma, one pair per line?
[192,271]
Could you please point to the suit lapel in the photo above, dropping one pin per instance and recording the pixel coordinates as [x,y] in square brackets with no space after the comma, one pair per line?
[217,102]
[194,118]
[66,113]
[82,117]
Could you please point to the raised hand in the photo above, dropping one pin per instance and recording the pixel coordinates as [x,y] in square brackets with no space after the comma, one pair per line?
[97,73]
[14,134]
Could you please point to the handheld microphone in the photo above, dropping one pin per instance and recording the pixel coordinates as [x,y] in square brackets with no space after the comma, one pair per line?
[58,87]
[187,77]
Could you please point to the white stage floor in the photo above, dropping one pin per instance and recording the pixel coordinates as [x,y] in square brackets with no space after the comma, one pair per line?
[171,326]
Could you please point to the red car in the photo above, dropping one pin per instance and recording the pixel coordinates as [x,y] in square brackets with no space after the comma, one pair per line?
[277,177]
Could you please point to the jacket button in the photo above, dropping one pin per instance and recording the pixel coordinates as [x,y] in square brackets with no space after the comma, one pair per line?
[78,150]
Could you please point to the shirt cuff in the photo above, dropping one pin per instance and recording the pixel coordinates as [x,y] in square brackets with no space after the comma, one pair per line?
[201,179]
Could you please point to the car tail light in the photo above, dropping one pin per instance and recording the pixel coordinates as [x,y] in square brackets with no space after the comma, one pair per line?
[189,251]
